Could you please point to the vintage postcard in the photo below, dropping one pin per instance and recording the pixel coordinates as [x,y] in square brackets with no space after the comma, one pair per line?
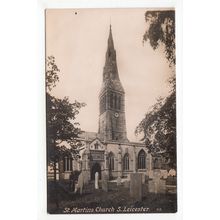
[111,110]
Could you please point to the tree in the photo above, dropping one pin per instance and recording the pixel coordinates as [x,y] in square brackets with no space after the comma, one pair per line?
[60,117]
[161,31]
[159,124]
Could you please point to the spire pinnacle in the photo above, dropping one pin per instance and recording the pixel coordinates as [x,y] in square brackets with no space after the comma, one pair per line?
[110,39]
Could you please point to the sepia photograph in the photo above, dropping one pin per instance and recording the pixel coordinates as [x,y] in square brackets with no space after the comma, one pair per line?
[110,77]
[110,109]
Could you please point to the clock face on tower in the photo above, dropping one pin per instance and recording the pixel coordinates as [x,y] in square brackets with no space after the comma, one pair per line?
[116,114]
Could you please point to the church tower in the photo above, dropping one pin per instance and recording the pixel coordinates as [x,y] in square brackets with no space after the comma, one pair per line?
[112,124]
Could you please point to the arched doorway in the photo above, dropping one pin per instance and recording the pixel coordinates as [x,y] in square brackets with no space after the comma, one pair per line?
[95,168]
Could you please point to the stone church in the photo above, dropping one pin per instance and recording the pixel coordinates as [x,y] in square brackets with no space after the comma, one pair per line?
[109,150]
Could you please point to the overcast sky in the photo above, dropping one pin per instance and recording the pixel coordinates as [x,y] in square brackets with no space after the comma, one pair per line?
[78,40]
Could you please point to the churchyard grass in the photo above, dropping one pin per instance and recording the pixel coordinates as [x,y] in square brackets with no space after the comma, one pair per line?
[117,196]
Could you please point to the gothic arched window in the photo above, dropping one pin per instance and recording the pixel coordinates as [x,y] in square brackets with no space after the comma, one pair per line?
[111,161]
[142,160]
[126,162]
[67,163]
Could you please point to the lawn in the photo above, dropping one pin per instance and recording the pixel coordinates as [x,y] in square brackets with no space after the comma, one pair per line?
[116,200]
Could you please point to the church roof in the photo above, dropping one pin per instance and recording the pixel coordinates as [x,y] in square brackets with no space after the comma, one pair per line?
[90,135]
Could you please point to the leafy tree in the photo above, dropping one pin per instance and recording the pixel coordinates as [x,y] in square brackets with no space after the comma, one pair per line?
[159,124]
[159,129]
[161,31]
[62,130]
[52,71]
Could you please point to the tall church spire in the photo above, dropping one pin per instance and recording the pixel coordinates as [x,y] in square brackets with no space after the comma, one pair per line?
[112,125]
[110,68]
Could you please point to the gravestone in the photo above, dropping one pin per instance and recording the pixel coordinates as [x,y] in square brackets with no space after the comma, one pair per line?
[157,174]
[81,182]
[157,185]
[127,184]
[96,180]
[86,177]
[151,174]
[162,186]
[165,174]
[154,184]
[136,186]
[151,187]
[119,181]
[172,172]
[143,178]
[104,182]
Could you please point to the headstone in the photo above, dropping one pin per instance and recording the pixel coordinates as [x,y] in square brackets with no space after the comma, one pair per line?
[104,182]
[127,181]
[76,187]
[151,174]
[151,186]
[143,178]
[165,174]
[136,186]
[81,182]
[162,186]
[157,174]
[96,180]
[157,185]
[126,184]
[86,177]
[156,179]
[172,172]
[119,181]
